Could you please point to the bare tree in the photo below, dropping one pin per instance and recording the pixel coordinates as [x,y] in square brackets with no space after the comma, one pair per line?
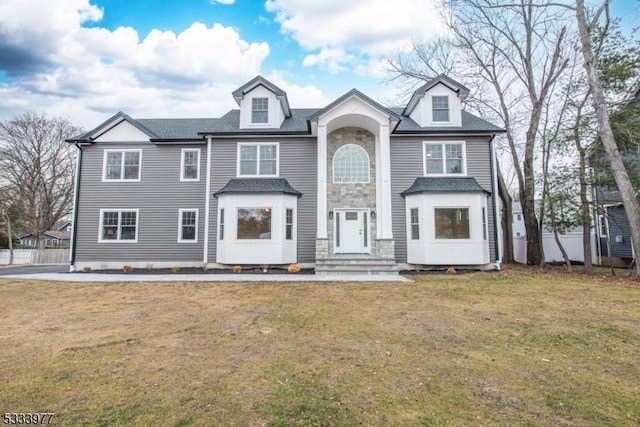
[36,161]
[513,54]
[629,198]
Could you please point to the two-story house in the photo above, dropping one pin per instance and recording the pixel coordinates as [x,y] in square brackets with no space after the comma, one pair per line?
[351,186]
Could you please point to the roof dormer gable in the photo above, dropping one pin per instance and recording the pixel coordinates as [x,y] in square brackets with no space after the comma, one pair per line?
[437,103]
[262,104]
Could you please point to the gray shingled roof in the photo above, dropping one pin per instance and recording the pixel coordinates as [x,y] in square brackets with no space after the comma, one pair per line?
[362,96]
[470,123]
[258,185]
[178,129]
[230,122]
[444,185]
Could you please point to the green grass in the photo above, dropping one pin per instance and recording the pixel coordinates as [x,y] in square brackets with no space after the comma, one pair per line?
[517,347]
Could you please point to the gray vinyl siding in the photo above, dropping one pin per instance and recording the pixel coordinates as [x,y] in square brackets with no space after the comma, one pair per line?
[158,197]
[298,165]
[619,226]
[407,165]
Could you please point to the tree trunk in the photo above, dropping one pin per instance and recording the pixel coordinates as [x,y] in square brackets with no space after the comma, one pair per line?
[586,216]
[629,198]
[507,219]
[565,256]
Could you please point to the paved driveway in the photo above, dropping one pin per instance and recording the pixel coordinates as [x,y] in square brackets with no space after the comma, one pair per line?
[33,269]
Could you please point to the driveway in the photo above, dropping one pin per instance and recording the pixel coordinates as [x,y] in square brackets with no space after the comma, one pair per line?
[33,269]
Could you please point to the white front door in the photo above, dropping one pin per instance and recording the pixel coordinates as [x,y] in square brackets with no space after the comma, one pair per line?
[351,231]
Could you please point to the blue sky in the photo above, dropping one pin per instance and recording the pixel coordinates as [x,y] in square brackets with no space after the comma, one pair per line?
[87,59]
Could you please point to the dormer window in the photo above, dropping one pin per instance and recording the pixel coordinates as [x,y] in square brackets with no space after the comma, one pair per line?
[259,110]
[440,108]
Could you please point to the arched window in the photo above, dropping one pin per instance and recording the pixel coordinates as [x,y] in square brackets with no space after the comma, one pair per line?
[351,164]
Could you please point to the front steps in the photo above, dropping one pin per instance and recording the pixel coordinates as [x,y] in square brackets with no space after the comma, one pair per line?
[356,264]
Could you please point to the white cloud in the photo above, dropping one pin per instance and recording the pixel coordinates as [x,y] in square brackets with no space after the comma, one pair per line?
[63,68]
[225,2]
[334,60]
[375,26]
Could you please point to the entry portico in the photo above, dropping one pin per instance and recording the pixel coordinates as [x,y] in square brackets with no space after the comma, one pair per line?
[354,178]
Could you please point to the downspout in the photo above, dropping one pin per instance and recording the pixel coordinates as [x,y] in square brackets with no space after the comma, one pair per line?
[207,201]
[74,221]
[497,223]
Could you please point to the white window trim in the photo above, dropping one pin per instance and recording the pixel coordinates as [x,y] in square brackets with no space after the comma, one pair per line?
[182,178]
[443,143]
[258,144]
[411,224]
[440,122]
[435,232]
[119,210]
[333,165]
[180,239]
[293,225]
[124,150]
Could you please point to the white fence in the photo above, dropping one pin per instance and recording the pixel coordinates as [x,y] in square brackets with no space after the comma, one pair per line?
[34,256]
[572,243]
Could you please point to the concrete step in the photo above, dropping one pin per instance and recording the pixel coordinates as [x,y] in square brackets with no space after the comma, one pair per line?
[356,265]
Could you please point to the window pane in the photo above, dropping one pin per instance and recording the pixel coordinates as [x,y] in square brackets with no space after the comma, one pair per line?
[452,223]
[259,110]
[221,224]
[351,164]
[454,166]
[415,225]
[114,164]
[248,160]
[440,108]
[434,166]
[254,223]
[110,225]
[128,221]
[190,167]
[131,164]
[268,156]
[289,224]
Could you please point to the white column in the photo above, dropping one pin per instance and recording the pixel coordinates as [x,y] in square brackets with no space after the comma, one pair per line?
[207,203]
[384,220]
[322,182]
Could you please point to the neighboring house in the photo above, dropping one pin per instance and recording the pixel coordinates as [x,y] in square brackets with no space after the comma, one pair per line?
[353,186]
[571,241]
[614,231]
[58,238]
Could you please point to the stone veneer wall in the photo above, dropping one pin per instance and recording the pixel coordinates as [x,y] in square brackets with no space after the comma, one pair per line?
[351,195]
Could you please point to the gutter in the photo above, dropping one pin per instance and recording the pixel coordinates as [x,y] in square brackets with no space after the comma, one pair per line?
[497,234]
[76,198]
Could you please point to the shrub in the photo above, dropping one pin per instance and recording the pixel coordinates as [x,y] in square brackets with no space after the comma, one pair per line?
[237,269]
[451,270]
[175,269]
[127,268]
[86,269]
[293,268]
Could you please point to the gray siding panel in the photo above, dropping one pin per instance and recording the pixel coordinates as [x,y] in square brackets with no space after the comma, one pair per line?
[407,165]
[619,226]
[158,196]
[298,164]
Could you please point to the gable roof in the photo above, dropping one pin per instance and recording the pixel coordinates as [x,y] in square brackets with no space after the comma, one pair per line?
[89,137]
[355,92]
[459,88]
[258,186]
[444,185]
[239,93]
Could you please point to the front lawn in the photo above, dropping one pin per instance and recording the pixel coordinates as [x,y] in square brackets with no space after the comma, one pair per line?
[517,347]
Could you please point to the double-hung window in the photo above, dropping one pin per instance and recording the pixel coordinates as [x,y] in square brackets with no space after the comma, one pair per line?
[444,158]
[258,159]
[190,164]
[415,224]
[440,108]
[122,165]
[259,110]
[188,226]
[288,224]
[118,225]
